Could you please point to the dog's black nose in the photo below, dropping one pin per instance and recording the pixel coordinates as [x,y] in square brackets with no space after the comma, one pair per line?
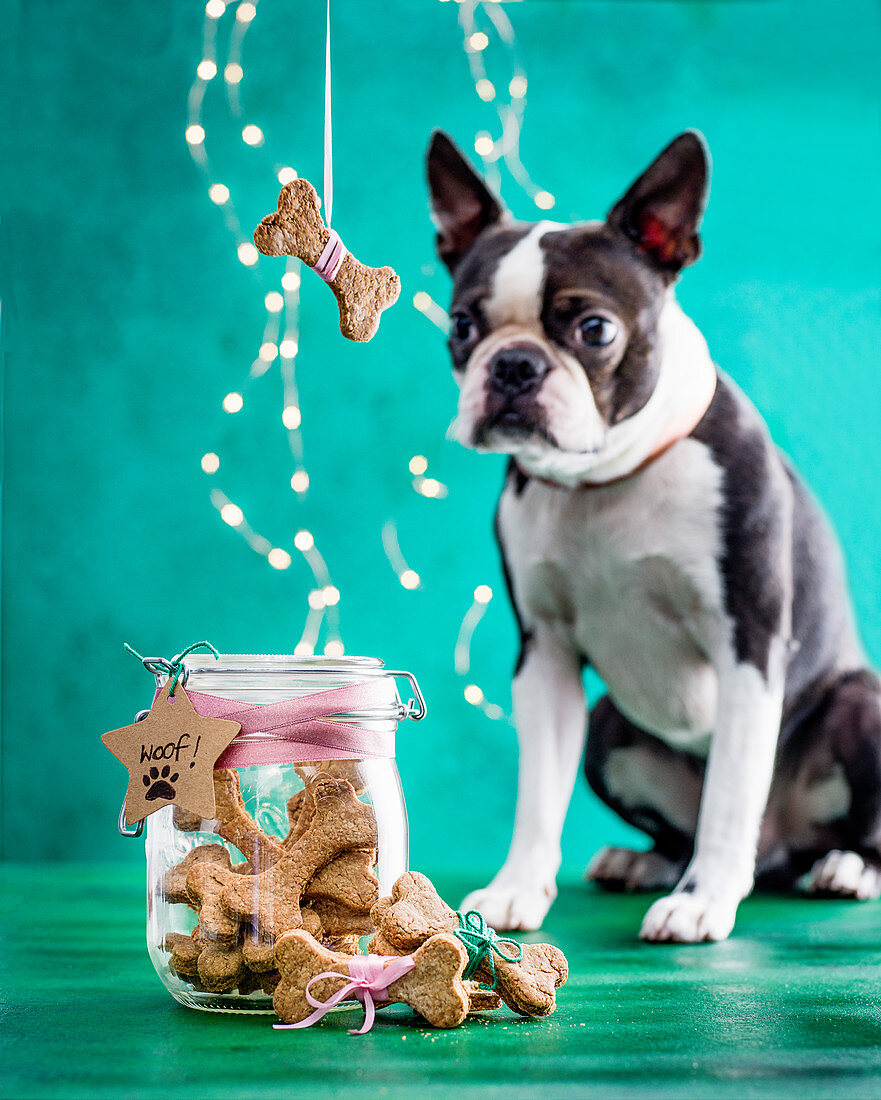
[516,370]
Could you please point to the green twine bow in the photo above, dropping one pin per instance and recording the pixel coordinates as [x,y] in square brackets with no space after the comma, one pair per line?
[480,943]
[174,668]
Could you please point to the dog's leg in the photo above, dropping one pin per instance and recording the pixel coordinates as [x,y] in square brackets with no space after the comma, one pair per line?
[550,713]
[738,778]
[849,728]
[652,786]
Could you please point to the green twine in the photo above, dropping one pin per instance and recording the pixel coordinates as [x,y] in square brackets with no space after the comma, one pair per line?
[175,667]
[480,943]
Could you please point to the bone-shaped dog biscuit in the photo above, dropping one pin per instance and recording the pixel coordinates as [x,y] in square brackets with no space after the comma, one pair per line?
[415,912]
[297,229]
[347,880]
[340,823]
[433,988]
[185,951]
[233,822]
[174,881]
[221,966]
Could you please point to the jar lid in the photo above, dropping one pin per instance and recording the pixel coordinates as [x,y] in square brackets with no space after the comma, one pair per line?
[281,662]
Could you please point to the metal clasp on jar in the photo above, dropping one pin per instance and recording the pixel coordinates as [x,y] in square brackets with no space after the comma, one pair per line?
[415,708]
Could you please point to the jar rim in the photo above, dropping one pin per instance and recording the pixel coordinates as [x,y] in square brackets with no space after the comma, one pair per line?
[282,662]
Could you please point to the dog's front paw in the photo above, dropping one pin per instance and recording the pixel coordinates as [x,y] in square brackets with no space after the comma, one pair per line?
[844,875]
[688,918]
[625,869]
[512,908]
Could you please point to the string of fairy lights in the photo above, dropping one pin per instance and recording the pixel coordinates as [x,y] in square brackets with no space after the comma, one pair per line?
[486,31]
[279,344]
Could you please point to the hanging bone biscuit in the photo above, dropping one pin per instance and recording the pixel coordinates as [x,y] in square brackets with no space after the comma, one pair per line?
[297,229]
[433,988]
[272,899]
[415,911]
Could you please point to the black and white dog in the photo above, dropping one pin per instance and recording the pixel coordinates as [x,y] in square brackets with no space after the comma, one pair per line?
[650,528]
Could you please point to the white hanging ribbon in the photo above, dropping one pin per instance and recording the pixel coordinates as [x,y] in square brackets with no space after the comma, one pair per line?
[328,130]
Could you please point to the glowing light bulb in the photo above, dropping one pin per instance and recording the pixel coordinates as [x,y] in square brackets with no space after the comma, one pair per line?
[409,579]
[422,300]
[483,593]
[316,599]
[291,417]
[215,8]
[290,280]
[300,481]
[418,465]
[331,595]
[233,73]
[303,648]
[210,462]
[334,649]
[219,193]
[289,348]
[195,134]
[273,301]
[483,144]
[245,12]
[247,253]
[544,200]
[232,514]
[304,541]
[430,487]
[485,89]
[233,402]
[478,41]
[206,70]
[286,175]
[278,558]
[473,695]
[252,135]
[268,351]
[517,87]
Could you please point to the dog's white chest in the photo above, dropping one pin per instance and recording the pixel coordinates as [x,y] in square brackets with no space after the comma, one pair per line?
[629,573]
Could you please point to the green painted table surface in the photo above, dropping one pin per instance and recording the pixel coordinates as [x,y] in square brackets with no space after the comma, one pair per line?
[790,1006]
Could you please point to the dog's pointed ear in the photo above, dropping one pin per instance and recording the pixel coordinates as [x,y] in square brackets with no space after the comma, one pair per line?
[462,206]
[662,211]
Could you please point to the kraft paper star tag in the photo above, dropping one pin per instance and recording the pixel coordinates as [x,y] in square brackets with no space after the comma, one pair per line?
[170,757]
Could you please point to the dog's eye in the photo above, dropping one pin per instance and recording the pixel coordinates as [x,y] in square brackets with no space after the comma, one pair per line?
[597,332]
[461,327]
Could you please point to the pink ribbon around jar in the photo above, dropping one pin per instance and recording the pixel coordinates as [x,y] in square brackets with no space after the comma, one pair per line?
[307,728]
[368,980]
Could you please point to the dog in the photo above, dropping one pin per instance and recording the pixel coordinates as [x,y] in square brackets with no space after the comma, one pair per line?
[649,528]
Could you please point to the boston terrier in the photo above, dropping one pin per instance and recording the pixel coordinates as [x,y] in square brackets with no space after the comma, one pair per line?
[650,528]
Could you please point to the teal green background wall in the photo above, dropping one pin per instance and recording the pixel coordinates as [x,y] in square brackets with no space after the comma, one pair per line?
[128,317]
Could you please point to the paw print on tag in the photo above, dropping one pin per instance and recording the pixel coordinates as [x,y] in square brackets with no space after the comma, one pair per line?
[159,783]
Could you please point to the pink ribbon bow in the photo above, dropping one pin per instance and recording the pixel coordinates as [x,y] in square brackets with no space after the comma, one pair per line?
[368,980]
[306,728]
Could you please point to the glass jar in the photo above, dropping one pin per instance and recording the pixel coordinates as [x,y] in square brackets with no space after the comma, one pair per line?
[219,892]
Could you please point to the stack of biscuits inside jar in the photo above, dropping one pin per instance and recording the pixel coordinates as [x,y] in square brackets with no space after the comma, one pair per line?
[298,842]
